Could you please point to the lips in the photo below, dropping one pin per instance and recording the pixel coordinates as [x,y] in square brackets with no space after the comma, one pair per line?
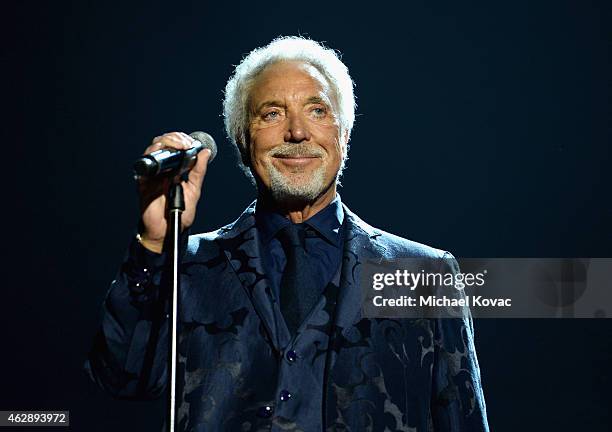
[296,160]
[296,157]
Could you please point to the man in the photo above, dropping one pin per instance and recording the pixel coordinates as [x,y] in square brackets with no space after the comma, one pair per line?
[271,334]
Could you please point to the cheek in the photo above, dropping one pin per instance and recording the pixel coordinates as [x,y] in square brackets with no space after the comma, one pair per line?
[258,155]
[328,138]
[335,148]
[258,151]
[255,145]
[264,139]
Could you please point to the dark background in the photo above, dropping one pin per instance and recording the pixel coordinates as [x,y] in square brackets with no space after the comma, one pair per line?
[483,128]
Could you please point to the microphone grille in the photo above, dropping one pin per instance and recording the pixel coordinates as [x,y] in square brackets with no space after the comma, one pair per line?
[207,142]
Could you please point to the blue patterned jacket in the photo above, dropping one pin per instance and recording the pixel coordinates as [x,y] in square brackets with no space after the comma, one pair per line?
[236,356]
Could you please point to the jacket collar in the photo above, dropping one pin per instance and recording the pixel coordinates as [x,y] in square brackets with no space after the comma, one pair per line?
[240,243]
[247,220]
[326,223]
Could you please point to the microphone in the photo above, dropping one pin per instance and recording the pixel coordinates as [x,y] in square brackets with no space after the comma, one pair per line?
[173,161]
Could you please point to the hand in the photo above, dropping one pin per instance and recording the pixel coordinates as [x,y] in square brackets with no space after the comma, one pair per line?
[153,191]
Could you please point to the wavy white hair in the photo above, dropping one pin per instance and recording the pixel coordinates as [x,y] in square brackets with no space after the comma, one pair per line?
[237,91]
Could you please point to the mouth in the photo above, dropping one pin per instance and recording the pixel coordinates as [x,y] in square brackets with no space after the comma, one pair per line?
[296,160]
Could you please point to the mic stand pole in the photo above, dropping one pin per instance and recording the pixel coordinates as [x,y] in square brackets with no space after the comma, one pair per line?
[176,205]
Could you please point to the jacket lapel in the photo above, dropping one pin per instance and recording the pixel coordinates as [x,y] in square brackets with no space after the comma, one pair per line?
[359,245]
[239,242]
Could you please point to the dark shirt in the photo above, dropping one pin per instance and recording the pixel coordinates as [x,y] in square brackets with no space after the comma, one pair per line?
[323,243]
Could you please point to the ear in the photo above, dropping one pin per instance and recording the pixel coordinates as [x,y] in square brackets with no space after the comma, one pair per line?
[244,151]
[344,140]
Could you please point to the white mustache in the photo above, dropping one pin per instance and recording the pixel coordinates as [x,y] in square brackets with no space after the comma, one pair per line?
[296,150]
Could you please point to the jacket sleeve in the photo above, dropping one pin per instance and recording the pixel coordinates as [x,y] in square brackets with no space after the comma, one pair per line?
[457,399]
[129,354]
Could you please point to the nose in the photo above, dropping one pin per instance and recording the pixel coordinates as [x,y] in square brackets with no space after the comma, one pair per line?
[297,129]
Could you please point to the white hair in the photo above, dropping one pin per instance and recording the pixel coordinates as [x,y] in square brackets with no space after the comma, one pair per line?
[289,48]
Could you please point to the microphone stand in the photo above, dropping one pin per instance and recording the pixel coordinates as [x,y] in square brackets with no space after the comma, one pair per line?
[153,164]
[176,205]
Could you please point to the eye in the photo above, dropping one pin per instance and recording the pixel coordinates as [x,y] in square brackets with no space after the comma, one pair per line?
[319,112]
[271,115]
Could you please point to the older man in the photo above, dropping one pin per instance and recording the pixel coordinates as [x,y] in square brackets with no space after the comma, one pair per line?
[271,332]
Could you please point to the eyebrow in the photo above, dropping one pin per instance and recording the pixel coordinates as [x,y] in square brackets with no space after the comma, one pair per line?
[268,104]
[316,99]
[310,100]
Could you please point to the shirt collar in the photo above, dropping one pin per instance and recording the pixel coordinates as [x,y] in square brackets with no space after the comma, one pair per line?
[326,222]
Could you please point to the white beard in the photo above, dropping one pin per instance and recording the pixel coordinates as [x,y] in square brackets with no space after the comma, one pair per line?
[296,186]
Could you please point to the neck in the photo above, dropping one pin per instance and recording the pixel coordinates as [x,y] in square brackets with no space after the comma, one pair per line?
[298,211]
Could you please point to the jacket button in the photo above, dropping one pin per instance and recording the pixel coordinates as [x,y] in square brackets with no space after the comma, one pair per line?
[285,395]
[265,411]
[291,356]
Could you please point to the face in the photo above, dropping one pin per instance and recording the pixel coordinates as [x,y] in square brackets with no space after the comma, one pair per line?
[294,134]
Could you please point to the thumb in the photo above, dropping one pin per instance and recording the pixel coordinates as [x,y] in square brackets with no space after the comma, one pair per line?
[197,173]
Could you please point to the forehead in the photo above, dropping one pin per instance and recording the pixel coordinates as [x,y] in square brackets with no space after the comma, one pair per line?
[288,79]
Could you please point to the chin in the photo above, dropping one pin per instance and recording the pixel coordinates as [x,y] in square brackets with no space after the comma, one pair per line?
[305,188]
[305,185]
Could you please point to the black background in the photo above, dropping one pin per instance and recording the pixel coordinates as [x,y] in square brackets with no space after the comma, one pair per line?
[483,128]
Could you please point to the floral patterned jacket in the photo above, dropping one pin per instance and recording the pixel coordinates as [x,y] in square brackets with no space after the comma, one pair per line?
[240,369]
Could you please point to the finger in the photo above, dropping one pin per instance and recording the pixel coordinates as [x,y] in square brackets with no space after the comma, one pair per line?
[165,142]
[157,145]
[150,189]
[171,137]
[197,173]
[181,137]
[187,137]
